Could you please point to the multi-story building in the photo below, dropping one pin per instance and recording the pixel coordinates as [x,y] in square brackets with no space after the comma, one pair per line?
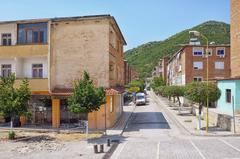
[230,87]
[53,53]
[161,68]
[189,64]
[129,73]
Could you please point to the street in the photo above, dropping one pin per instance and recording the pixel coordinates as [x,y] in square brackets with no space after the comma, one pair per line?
[152,133]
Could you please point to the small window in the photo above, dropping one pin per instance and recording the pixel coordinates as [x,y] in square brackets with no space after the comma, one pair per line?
[197,79]
[209,52]
[198,65]
[197,51]
[6,70]
[37,70]
[6,39]
[219,65]
[228,96]
[220,52]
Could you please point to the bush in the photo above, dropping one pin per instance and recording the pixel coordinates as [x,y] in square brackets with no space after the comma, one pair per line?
[11,135]
[157,82]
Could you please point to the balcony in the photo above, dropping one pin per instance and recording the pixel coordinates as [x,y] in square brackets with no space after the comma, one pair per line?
[23,51]
[35,84]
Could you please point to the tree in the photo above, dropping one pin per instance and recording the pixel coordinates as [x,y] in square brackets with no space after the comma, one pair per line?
[198,92]
[13,101]
[157,82]
[135,86]
[86,97]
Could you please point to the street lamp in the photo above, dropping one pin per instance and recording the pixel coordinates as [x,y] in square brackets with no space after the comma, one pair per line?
[198,34]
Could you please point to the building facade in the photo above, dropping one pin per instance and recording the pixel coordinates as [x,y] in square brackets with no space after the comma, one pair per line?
[161,68]
[53,53]
[189,64]
[230,87]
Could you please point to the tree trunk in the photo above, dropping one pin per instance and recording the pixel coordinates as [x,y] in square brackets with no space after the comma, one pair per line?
[11,123]
[199,115]
[179,105]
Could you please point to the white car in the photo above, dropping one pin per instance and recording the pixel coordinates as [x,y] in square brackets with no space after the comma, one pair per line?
[140,99]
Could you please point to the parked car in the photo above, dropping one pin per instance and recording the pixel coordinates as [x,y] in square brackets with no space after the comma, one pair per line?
[140,99]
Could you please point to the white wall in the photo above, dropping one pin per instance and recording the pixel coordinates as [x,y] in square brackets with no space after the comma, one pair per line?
[27,66]
[9,28]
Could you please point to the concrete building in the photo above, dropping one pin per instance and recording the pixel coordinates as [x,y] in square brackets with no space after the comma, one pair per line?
[230,87]
[189,64]
[129,73]
[161,68]
[53,53]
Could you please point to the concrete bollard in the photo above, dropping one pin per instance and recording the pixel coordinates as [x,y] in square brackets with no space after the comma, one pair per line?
[101,148]
[95,147]
[108,142]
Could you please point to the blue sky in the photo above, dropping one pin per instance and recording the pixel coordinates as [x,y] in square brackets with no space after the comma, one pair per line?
[141,21]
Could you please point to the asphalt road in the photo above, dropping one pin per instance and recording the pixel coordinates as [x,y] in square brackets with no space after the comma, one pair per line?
[152,134]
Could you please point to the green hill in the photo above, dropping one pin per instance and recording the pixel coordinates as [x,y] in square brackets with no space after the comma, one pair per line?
[146,56]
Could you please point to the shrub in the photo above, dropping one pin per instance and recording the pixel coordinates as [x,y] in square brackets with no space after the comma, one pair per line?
[11,135]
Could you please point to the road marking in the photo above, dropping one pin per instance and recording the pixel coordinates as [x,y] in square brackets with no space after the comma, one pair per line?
[225,142]
[158,150]
[198,150]
[121,149]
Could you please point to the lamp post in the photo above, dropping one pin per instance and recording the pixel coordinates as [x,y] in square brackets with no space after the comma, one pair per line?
[198,34]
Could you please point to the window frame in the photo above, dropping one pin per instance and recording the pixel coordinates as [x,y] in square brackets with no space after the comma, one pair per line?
[197,77]
[7,39]
[194,49]
[38,70]
[198,67]
[219,65]
[8,70]
[220,48]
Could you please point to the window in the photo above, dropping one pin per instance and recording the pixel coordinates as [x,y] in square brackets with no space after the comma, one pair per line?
[6,39]
[220,52]
[228,96]
[197,51]
[219,65]
[6,70]
[198,65]
[197,79]
[37,70]
[35,33]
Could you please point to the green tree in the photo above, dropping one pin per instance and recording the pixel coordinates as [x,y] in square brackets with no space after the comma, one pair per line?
[135,86]
[86,97]
[176,92]
[157,82]
[198,92]
[13,101]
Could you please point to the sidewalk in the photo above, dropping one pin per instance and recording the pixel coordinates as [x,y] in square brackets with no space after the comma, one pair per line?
[188,121]
[118,128]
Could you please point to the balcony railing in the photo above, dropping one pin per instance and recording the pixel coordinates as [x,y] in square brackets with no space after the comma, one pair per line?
[23,51]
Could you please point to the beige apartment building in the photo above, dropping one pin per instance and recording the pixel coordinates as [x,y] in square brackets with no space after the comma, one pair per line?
[53,53]
[189,64]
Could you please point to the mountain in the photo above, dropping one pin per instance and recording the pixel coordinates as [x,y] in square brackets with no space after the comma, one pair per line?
[145,57]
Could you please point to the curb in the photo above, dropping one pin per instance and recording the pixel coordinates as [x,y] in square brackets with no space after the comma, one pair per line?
[190,132]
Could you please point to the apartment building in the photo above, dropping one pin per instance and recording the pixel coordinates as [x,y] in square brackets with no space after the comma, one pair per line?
[53,53]
[230,87]
[129,73]
[161,68]
[189,64]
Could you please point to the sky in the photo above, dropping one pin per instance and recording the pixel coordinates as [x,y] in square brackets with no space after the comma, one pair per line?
[140,21]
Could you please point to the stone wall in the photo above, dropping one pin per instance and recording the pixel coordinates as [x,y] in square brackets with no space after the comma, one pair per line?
[235,38]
